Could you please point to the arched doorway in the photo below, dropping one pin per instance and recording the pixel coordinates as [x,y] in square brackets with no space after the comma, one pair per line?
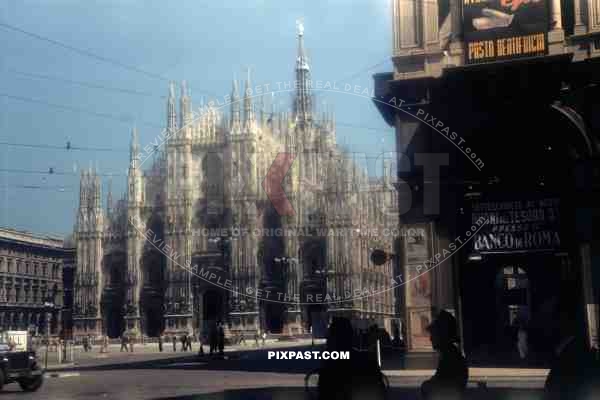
[212,309]
[274,317]
[153,276]
[113,298]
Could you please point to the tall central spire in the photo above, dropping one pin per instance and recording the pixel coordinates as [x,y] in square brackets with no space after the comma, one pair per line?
[303,100]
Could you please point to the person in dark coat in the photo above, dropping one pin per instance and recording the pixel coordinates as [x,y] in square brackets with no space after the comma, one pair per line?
[212,339]
[174,340]
[356,378]
[221,339]
[575,371]
[123,342]
[160,343]
[183,340]
[451,376]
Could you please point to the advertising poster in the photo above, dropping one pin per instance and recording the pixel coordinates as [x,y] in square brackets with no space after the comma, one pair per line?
[496,30]
[418,287]
[417,244]
[419,321]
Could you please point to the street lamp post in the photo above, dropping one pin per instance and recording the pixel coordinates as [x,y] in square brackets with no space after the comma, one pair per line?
[48,306]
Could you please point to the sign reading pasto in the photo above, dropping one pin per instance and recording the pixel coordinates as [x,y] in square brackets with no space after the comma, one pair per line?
[496,30]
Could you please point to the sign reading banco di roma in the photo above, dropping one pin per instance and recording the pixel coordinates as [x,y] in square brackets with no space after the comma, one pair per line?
[518,225]
[496,30]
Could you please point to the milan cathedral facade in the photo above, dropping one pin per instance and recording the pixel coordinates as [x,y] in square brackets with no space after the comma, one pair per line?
[203,201]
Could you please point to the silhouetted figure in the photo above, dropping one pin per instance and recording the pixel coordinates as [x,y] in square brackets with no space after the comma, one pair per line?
[160,343]
[183,340]
[201,349]
[123,342]
[450,378]
[221,339]
[174,341]
[356,378]
[212,339]
[131,341]
[575,373]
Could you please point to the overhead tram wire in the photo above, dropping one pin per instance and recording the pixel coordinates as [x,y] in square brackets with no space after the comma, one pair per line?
[89,85]
[83,52]
[67,146]
[51,171]
[366,69]
[64,189]
[78,110]
[87,53]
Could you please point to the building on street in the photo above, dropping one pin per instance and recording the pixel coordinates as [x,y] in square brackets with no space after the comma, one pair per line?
[31,282]
[205,232]
[496,106]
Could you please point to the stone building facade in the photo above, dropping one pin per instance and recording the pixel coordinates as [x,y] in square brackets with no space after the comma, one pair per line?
[506,108]
[31,285]
[211,201]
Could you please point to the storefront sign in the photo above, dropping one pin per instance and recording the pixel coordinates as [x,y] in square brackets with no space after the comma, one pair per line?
[497,30]
[522,225]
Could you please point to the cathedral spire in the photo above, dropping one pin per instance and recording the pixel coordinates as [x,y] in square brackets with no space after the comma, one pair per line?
[235,123]
[303,100]
[109,197]
[97,192]
[83,190]
[171,111]
[134,148]
[185,106]
[249,118]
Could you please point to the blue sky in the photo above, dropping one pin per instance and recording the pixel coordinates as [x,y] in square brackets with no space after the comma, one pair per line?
[203,42]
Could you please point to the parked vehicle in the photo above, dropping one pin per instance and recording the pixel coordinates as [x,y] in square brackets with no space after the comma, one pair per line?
[21,367]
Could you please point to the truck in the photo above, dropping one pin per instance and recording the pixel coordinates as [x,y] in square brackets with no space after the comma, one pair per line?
[18,363]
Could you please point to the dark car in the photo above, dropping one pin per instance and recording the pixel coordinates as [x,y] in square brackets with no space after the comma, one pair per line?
[21,367]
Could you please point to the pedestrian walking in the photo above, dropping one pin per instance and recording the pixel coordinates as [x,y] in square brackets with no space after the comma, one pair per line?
[256,336]
[183,340]
[104,347]
[242,338]
[86,340]
[174,340]
[131,341]
[160,343]
[221,339]
[189,342]
[212,339]
[450,378]
[123,342]
[264,338]
[522,345]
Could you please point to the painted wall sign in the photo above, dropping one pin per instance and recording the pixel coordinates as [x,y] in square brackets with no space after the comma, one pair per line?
[497,30]
[518,225]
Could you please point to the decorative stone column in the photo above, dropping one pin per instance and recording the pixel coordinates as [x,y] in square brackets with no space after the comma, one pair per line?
[556,34]
[580,28]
